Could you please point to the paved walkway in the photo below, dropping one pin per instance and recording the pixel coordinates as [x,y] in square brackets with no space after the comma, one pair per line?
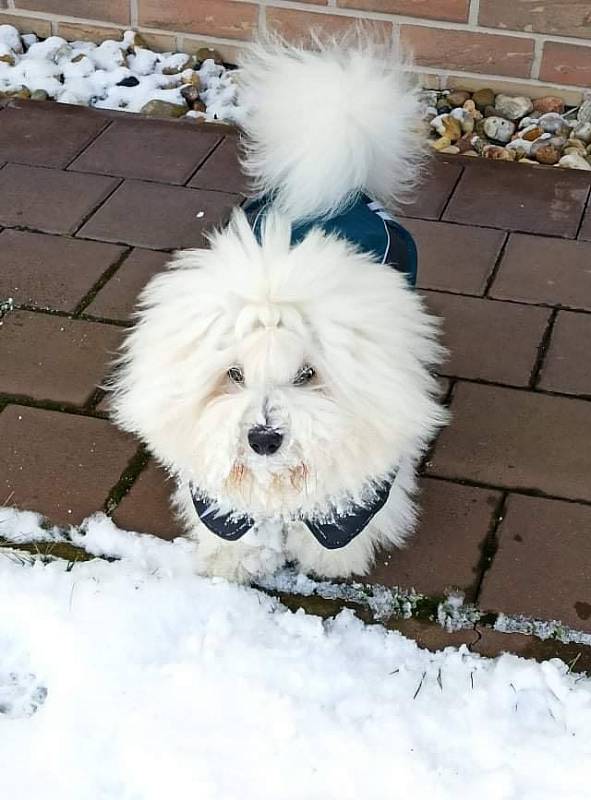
[90,206]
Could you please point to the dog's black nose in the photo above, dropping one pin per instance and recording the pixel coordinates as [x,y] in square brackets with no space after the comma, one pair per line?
[264,441]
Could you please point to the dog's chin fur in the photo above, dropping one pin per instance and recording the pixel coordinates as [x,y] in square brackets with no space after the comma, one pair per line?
[271,308]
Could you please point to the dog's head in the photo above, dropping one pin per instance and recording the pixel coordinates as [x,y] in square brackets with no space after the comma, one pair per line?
[279,379]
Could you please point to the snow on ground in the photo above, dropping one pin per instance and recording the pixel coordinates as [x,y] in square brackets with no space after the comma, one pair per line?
[121,75]
[137,680]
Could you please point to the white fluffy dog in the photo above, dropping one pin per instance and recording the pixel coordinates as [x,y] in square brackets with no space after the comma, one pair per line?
[283,375]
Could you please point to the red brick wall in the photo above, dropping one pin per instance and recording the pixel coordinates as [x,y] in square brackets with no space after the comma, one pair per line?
[513,42]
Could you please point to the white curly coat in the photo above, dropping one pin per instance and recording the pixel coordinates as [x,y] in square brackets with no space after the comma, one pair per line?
[320,127]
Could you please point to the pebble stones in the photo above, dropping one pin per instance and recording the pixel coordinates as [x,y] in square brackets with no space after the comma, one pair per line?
[574,161]
[130,81]
[548,104]
[510,128]
[161,108]
[205,53]
[582,131]
[191,94]
[554,123]
[457,99]
[584,112]
[447,126]
[483,98]
[513,108]
[498,128]
[521,147]
[498,153]
[547,151]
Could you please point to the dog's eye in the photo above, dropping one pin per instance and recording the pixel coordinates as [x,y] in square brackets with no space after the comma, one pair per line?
[304,376]
[236,375]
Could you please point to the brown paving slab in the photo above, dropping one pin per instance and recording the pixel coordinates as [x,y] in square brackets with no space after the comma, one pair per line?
[454,258]
[146,508]
[542,567]
[53,358]
[61,465]
[117,299]
[148,150]
[434,192]
[567,366]
[35,136]
[430,635]
[491,643]
[159,217]
[531,200]
[517,439]
[445,551]
[51,271]
[489,340]
[47,199]
[221,171]
[537,269]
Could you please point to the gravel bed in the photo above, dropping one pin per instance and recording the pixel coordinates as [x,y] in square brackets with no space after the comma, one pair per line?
[510,127]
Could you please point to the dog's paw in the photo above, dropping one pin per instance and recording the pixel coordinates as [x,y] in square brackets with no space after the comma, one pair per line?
[239,562]
[21,694]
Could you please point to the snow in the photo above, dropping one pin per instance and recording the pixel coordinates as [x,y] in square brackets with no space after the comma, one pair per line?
[137,680]
[84,73]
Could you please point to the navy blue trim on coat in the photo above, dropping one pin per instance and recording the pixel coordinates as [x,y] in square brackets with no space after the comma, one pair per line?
[338,531]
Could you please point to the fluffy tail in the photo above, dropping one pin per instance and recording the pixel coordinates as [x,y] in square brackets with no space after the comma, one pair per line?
[325,124]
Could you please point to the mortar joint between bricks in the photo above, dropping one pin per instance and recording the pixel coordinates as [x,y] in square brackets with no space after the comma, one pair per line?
[101,282]
[496,266]
[133,13]
[490,545]
[543,349]
[126,480]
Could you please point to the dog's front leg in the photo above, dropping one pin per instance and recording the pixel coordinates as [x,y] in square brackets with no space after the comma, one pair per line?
[260,552]
[254,556]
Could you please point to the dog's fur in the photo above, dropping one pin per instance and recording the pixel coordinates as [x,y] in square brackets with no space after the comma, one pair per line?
[320,127]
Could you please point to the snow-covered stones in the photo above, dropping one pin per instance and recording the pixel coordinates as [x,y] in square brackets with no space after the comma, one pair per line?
[124,75]
[142,61]
[177,63]
[10,38]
